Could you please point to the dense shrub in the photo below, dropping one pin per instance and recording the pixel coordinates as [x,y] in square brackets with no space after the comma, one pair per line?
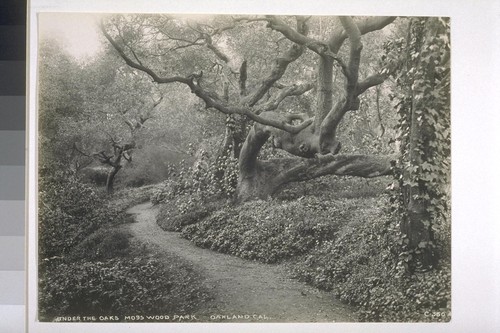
[87,266]
[105,243]
[186,209]
[367,266]
[269,232]
[350,246]
[69,211]
[335,188]
[168,190]
[97,175]
[213,175]
[140,285]
[126,198]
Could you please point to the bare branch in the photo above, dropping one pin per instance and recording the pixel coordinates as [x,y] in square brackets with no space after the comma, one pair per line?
[371,81]
[379,114]
[354,56]
[187,42]
[349,101]
[365,26]
[371,24]
[294,90]
[75,147]
[130,125]
[280,66]
[127,157]
[243,78]
[217,103]
[156,103]
[314,45]
[103,158]
[212,99]
[210,45]
[138,66]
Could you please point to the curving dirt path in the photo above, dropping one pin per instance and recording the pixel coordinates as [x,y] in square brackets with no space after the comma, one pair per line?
[245,291]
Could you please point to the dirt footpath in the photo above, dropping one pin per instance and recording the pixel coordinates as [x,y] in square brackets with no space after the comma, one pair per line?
[245,290]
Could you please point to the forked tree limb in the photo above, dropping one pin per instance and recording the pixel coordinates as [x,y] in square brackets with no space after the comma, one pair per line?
[209,98]
[353,88]
[280,66]
[294,90]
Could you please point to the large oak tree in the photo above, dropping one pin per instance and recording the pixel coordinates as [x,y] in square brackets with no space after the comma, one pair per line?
[149,43]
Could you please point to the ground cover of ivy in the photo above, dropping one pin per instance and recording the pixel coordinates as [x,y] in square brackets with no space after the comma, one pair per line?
[338,235]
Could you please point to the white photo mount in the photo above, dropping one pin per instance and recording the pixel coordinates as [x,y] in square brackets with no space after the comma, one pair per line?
[475,250]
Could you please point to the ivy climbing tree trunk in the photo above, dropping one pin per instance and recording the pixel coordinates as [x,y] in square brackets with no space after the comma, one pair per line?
[423,168]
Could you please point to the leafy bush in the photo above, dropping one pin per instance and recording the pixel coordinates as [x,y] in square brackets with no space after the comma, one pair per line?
[140,285]
[267,232]
[97,175]
[350,246]
[335,188]
[168,190]
[184,210]
[105,243]
[214,174]
[86,266]
[367,266]
[69,212]
[125,198]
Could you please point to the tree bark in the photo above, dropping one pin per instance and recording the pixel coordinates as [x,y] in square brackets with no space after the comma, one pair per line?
[268,177]
[261,179]
[111,179]
[307,140]
[324,102]
[417,222]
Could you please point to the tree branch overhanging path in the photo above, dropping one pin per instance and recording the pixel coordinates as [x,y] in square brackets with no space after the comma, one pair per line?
[311,138]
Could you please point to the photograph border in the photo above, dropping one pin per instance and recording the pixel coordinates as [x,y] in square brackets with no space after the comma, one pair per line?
[475,230]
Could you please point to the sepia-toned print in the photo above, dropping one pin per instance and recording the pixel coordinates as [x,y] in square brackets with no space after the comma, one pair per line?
[243,168]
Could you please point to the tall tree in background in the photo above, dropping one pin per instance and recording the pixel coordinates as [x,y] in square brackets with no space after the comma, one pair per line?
[60,105]
[152,44]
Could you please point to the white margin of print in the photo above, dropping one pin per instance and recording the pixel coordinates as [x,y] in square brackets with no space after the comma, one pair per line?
[475,135]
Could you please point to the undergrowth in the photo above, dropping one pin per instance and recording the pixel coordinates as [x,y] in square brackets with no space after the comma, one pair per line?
[267,231]
[128,197]
[364,266]
[342,238]
[186,209]
[88,265]
[131,281]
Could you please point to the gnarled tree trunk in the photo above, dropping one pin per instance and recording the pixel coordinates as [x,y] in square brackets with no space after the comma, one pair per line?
[261,179]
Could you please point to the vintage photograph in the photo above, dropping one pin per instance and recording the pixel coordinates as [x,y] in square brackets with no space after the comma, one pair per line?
[243,168]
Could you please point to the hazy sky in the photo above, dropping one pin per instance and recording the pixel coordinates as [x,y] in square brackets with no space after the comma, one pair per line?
[79,33]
